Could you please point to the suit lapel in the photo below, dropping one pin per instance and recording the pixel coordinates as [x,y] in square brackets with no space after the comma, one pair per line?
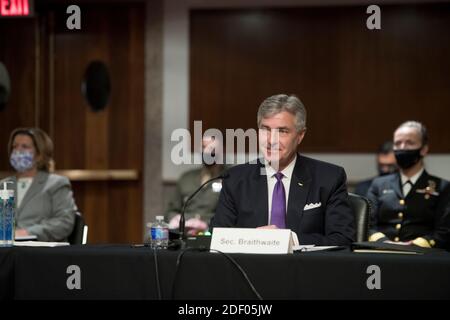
[397,185]
[261,207]
[298,193]
[36,186]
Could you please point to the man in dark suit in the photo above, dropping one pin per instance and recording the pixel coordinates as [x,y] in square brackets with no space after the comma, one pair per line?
[386,164]
[410,207]
[254,195]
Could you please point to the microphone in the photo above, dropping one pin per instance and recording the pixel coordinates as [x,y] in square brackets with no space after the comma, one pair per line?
[182,218]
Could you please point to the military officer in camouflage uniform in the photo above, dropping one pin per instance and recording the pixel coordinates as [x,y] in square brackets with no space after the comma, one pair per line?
[201,208]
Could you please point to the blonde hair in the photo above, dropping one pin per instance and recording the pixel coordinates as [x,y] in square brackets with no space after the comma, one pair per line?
[42,143]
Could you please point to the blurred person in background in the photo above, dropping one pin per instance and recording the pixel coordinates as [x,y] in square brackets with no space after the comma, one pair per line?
[45,207]
[386,164]
[202,207]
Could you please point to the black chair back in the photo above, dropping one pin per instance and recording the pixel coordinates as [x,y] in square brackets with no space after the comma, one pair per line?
[79,230]
[361,209]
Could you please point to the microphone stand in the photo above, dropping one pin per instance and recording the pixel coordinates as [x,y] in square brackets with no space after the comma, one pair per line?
[182,235]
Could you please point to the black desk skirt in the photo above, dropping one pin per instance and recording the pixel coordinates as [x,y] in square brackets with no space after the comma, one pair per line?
[125,272]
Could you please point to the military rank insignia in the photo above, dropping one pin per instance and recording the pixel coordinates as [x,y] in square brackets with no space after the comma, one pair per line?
[430,190]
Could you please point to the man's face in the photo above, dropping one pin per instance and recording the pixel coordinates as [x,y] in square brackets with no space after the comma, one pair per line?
[279,139]
[408,138]
[210,148]
[386,163]
[208,144]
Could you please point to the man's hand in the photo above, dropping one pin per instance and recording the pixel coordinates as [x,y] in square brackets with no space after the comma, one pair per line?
[193,225]
[270,226]
[174,223]
[21,233]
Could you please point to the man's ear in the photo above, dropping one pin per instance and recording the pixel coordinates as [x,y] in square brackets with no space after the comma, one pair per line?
[424,150]
[301,136]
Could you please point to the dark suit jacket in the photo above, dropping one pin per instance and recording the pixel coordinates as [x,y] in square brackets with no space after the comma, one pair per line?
[243,202]
[416,215]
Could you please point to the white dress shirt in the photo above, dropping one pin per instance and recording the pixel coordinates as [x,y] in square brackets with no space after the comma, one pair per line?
[272,180]
[408,186]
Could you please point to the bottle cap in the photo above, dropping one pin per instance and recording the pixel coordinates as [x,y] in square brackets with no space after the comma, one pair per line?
[5,193]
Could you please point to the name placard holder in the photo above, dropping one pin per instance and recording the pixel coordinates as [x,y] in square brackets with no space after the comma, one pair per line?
[247,240]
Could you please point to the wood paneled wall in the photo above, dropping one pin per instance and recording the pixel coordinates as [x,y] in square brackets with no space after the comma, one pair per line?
[112,138]
[17,53]
[357,85]
[43,56]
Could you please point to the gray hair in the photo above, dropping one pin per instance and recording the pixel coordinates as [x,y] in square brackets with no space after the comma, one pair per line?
[283,102]
[419,127]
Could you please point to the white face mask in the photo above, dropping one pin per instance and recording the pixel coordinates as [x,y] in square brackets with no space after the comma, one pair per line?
[22,161]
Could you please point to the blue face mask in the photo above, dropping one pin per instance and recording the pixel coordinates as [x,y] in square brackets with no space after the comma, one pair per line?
[22,160]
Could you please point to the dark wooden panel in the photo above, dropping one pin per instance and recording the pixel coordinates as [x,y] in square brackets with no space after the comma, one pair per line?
[17,53]
[126,124]
[111,138]
[356,84]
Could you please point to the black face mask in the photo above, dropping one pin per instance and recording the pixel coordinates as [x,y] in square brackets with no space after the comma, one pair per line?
[407,158]
[207,157]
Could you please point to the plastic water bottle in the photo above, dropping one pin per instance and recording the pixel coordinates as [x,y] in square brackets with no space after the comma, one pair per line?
[7,210]
[159,233]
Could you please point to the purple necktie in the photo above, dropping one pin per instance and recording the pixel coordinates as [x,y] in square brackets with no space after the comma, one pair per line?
[278,216]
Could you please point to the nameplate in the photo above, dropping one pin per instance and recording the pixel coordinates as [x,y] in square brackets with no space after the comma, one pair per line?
[247,240]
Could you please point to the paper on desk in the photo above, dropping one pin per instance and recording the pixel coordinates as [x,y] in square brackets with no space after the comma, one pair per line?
[40,244]
[25,238]
[309,248]
[384,251]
